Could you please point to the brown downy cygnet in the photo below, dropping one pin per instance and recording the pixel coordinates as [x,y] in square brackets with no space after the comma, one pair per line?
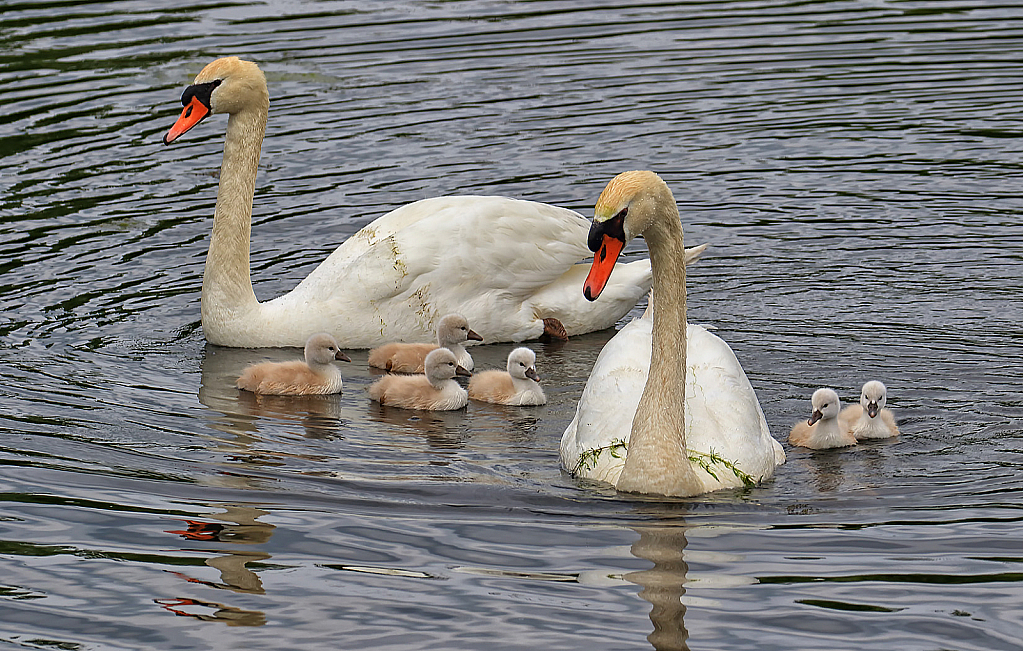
[824,429]
[870,419]
[452,332]
[317,375]
[516,386]
[435,390]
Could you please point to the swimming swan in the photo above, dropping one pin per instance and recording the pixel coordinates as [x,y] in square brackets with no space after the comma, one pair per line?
[634,427]
[452,332]
[317,375]
[510,266]
[519,385]
[870,419]
[436,390]
[824,429]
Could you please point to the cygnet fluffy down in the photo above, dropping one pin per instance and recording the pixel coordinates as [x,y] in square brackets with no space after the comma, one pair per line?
[435,390]
[452,333]
[516,386]
[824,429]
[870,419]
[317,375]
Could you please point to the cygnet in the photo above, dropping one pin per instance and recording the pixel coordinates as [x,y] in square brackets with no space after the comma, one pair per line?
[435,390]
[317,375]
[452,333]
[519,385]
[824,429]
[870,419]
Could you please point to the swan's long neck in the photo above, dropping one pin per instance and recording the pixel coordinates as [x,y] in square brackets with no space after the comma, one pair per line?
[657,461]
[226,285]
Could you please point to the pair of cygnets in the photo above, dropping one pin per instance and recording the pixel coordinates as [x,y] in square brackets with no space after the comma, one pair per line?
[436,389]
[830,426]
[433,387]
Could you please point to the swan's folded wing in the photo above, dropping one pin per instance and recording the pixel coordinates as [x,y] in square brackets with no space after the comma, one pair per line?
[484,257]
[723,414]
[592,444]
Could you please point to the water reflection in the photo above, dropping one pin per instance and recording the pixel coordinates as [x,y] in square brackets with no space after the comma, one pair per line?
[663,585]
[237,525]
[318,416]
[826,466]
[225,614]
[443,431]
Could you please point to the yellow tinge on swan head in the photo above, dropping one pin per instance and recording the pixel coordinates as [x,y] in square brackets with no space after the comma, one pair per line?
[624,210]
[227,85]
[620,191]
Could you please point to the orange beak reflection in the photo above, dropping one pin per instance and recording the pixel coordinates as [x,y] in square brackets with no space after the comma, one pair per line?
[191,115]
[603,264]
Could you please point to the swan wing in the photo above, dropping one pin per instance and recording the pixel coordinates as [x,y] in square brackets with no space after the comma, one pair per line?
[723,414]
[593,444]
[506,264]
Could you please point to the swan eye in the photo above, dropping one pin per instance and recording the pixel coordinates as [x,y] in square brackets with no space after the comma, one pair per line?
[622,213]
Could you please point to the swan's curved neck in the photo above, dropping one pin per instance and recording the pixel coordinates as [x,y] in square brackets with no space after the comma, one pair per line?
[657,460]
[226,285]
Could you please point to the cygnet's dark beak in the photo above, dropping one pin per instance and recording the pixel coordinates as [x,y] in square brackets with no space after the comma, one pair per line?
[473,336]
[816,416]
[532,374]
[339,355]
[872,409]
[461,370]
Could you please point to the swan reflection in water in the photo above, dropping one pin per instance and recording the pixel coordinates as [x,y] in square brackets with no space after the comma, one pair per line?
[664,584]
[238,525]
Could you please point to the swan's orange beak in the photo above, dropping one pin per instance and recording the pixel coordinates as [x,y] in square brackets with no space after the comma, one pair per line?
[191,115]
[603,264]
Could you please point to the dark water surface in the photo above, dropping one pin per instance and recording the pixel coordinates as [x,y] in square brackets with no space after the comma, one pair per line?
[855,166]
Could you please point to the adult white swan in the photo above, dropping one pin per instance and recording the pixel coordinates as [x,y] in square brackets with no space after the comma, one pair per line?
[508,265]
[634,426]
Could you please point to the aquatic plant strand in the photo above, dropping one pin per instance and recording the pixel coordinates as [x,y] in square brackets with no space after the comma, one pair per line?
[706,460]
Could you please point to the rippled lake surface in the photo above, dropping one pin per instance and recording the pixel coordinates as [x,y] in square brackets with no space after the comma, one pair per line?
[854,164]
